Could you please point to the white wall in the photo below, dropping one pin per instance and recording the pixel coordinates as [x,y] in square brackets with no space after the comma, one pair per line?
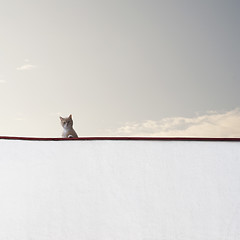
[119,190]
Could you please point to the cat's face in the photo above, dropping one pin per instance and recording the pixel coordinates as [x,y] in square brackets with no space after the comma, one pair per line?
[66,122]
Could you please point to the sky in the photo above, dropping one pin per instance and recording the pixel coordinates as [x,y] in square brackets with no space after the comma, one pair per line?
[121,68]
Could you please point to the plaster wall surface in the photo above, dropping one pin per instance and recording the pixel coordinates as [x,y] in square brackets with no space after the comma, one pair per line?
[119,190]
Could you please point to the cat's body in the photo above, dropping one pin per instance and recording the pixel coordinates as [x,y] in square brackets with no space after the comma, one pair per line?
[68,131]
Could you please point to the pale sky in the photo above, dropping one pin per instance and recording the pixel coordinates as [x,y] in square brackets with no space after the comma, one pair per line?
[152,68]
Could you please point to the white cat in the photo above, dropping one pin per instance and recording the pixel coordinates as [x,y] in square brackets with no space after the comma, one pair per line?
[68,131]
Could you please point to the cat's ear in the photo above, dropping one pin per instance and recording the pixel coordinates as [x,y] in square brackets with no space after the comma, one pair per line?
[70,116]
[61,118]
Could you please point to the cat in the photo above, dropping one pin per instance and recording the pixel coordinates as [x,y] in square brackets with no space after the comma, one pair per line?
[67,124]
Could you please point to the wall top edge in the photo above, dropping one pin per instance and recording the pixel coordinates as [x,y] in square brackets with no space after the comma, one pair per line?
[122,139]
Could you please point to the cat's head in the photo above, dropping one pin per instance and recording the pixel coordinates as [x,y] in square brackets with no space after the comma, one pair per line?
[67,122]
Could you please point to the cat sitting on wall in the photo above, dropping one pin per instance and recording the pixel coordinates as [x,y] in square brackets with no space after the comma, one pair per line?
[67,124]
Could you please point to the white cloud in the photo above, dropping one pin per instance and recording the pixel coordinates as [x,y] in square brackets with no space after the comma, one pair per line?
[26,67]
[211,124]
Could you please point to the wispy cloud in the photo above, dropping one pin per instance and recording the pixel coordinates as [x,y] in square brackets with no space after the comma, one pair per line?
[2,79]
[26,67]
[211,124]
